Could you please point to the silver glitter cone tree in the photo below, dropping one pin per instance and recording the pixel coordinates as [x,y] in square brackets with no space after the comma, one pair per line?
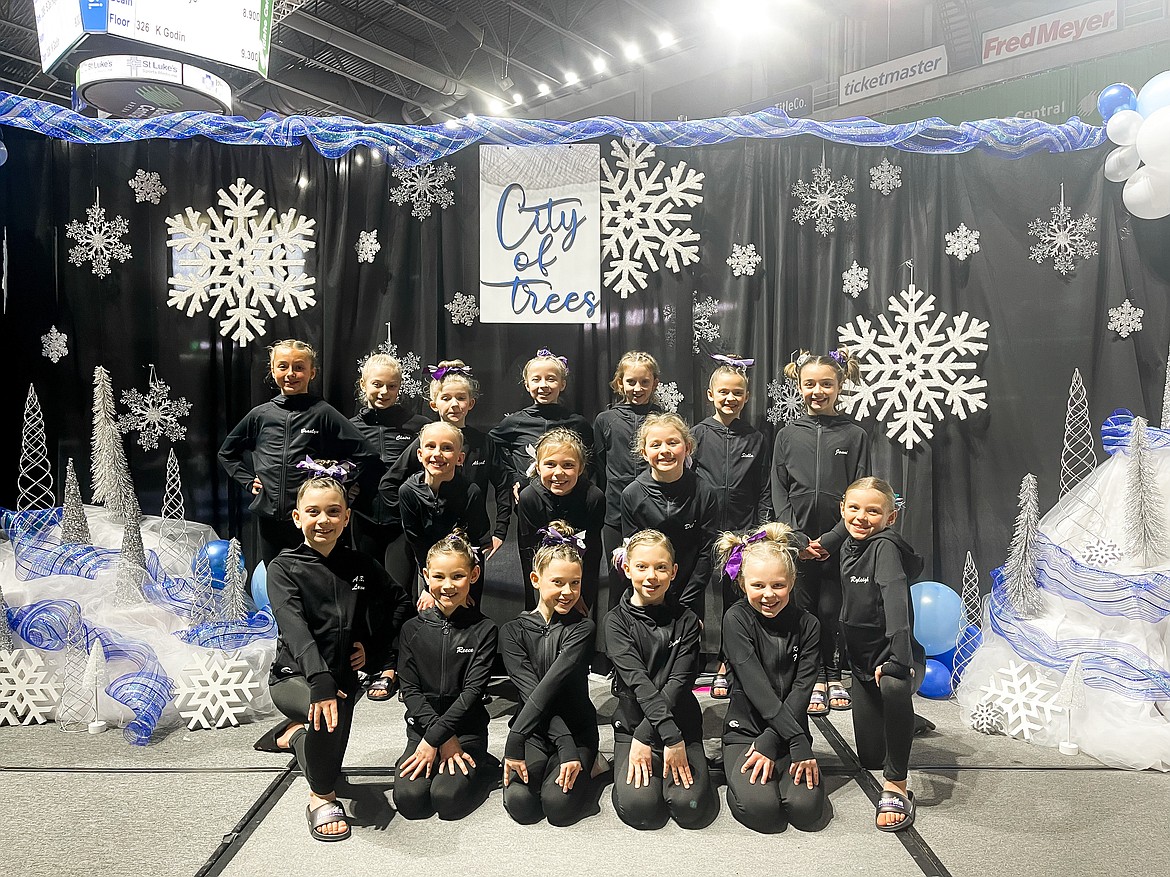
[967,646]
[34,480]
[1078,457]
[111,474]
[1145,505]
[131,567]
[203,600]
[236,608]
[74,526]
[6,642]
[1019,572]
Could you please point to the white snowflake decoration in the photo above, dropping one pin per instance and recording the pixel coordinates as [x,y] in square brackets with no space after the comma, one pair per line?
[1025,697]
[1101,552]
[463,309]
[27,692]
[98,240]
[706,329]
[670,396]
[642,214]
[855,281]
[246,262]
[147,186]
[744,260]
[215,691]
[54,344]
[1062,238]
[1125,319]
[824,200]
[988,718]
[914,364]
[671,329]
[367,245]
[423,185]
[787,403]
[962,242]
[885,177]
[154,415]
[410,364]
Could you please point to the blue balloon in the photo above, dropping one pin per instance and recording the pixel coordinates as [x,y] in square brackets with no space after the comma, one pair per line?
[1114,98]
[1154,95]
[216,553]
[3,152]
[936,684]
[938,613]
[260,586]
[947,659]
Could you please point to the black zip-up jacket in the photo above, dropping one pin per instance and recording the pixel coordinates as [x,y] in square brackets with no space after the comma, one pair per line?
[814,460]
[877,615]
[655,654]
[273,437]
[775,662]
[583,507]
[616,463]
[549,663]
[323,605]
[516,432]
[687,512]
[734,460]
[444,666]
[481,466]
[428,517]
[389,432]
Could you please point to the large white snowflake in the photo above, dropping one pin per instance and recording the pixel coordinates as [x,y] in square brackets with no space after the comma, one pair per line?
[885,177]
[706,329]
[823,200]
[154,415]
[54,344]
[670,396]
[1062,238]
[27,692]
[787,403]
[367,245]
[744,260]
[1025,697]
[1125,319]
[855,280]
[215,691]
[463,309]
[641,215]
[962,242]
[246,262]
[1101,553]
[423,185]
[147,186]
[911,365]
[98,240]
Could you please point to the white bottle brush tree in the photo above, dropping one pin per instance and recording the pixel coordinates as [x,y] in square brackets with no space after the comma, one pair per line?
[1019,572]
[94,680]
[1145,506]
[111,474]
[1071,696]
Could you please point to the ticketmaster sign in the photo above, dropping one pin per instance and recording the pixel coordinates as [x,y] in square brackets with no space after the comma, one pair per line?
[894,74]
[1067,26]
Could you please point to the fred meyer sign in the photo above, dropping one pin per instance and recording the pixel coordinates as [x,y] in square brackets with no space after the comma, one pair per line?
[1068,26]
[893,74]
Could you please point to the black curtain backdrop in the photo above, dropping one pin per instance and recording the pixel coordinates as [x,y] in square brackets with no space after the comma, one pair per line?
[960,488]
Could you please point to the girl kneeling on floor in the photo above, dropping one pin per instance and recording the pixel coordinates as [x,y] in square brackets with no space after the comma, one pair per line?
[773,647]
[660,770]
[445,664]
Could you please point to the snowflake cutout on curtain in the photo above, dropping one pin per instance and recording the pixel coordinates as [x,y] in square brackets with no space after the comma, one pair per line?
[1101,553]
[367,245]
[641,215]
[787,403]
[243,262]
[1062,238]
[706,329]
[743,260]
[1125,319]
[962,242]
[671,329]
[423,185]
[147,186]
[988,718]
[1025,697]
[155,414]
[54,345]
[855,281]
[463,309]
[670,396]
[886,177]
[912,365]
[824,200]
[215,691]
[411,364]
[98,240]
[27,692]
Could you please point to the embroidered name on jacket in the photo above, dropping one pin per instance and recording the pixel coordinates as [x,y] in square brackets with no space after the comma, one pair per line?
[306,431]
[359,583]
[676,642]
[841,452]
[747,456]
[463,650]
[858,580]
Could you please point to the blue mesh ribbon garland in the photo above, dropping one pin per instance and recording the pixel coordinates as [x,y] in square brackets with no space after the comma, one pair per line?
[410,145]
[1145,597]
[231,635]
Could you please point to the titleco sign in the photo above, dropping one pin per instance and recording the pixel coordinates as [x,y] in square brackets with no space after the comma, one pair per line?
[1067,26]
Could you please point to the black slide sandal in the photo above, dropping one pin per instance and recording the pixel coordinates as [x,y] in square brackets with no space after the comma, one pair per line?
[894,802]
[330,811]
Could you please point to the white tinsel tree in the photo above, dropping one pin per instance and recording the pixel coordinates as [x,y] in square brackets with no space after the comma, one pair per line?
[6,643]
[236,608]
[1145,506]
[111,474]
[34,480]
[1071,696]
[1019,571]
[1078,457]
[203,599]
[94,679]
[74,526]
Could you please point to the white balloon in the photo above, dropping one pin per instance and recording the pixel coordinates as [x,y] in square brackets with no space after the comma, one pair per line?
[1147,194]
[1123,127]
[1153,140]
[1121,163]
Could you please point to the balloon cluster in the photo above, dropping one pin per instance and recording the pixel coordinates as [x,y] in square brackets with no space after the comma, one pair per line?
[938,619]
[1139,123]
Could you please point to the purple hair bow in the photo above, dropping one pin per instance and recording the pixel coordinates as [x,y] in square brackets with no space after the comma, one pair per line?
[339,469]
[438,372]
[735,558]
[839,356]
[545,353]
[732,361]
[549,536]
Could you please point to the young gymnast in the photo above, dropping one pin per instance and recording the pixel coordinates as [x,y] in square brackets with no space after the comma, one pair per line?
[561,490]
[264,449]
[660,769]
[445,664]
[815,457]
[877,623]
[773,647]
[337,611]
[552,742]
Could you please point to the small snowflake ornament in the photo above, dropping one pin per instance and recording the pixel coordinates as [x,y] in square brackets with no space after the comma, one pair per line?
[54,345]
[885,177]
[28,693]
[706,329]
[1101,553]
[409,362]
[463,309]
[824,200]
[1125,319]
[215,691]
[855,280]
[962,242]
[367,245]
[423,186]
[671,329]
[154,415]
[147,186]
[98,239]
[1062,238]
[988,718]
[787,403]
[743,260]
[670,396]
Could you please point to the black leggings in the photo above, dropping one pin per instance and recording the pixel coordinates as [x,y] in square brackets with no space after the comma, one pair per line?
[818,592]
[883,722]
[319,753]
[449,795]
[277,534]
[541,797]
[651,806]
[770,807]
